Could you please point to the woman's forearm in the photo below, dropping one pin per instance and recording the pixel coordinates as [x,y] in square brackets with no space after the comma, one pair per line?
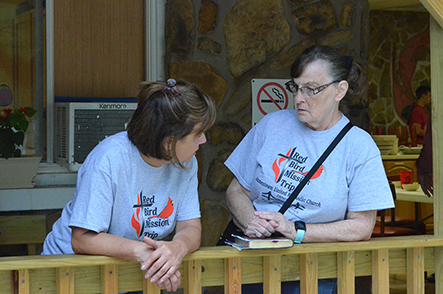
[89,242]
[239,204]
[357,227]
[188,235]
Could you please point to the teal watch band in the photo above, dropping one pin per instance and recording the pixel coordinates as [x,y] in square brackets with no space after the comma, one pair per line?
[299,236]
[300,227]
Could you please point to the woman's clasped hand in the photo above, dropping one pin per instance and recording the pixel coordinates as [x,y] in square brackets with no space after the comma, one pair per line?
[161,266]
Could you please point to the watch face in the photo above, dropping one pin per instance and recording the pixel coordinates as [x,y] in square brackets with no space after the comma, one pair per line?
[300,225]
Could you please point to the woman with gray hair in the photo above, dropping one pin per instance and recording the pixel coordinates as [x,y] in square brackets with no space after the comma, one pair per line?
[341,199]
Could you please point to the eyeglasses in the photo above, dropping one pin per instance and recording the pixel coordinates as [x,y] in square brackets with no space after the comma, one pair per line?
[309,92]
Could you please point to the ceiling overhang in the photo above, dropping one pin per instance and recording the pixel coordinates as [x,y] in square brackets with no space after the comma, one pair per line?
[434,7]
[396,5]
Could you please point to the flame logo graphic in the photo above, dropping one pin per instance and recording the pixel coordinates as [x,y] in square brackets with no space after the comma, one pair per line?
[277,163]
[135,220]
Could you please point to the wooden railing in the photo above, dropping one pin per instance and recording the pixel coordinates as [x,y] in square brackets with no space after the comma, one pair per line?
[218,266]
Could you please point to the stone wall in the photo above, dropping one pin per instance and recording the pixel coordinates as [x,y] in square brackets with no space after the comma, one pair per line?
[221,45]
[398,63]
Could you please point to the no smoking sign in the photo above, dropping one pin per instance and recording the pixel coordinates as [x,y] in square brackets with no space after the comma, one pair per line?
[269,96]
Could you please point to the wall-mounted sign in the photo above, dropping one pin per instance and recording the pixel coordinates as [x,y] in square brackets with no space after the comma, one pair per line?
[269,95]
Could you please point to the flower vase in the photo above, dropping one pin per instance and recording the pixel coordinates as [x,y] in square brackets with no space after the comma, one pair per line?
[18,172]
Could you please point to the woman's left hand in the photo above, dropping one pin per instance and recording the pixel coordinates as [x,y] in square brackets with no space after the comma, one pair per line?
[162,265]
[279,222]
[171,284]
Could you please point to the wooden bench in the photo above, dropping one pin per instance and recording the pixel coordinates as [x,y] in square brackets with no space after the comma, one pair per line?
[29,228]
[23,229]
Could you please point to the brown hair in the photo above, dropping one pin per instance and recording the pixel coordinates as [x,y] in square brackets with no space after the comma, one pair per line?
[161,115]
[340,67]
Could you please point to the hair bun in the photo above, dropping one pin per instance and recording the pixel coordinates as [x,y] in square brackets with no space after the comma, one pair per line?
[349,61]
[171,87]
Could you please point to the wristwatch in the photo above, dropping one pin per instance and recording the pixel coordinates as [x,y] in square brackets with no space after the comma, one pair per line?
[300,228]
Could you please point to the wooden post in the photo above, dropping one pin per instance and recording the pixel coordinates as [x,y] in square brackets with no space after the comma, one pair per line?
[436,47]
[150,288]
[233,275]
[109,278]
[380,271]
[345,272]
[415,267]
[65,280]
[272,274]
[193,277]
[309,273]
[20,282]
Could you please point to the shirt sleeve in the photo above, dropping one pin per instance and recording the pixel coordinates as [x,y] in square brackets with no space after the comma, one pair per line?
[367,180]
[243,160]
[94,200]
[189,207]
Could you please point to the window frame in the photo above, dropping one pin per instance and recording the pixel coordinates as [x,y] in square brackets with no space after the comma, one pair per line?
[154,71]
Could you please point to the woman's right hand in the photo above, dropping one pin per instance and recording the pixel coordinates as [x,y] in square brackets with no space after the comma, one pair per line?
[171,284]
[240,205]
[259,228]
[88,242]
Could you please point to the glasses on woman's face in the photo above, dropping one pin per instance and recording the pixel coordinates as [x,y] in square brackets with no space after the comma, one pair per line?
[306,91]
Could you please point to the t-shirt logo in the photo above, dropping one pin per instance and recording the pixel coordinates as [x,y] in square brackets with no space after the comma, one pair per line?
[290,164]
[146,216]
[167,211]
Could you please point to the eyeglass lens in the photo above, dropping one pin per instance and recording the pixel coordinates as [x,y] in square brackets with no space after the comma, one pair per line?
[294,88]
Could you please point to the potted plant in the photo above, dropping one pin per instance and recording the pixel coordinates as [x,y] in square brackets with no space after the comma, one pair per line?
[13,125]
[16,171]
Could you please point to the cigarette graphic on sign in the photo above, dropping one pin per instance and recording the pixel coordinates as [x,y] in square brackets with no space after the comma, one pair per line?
[269,96]
[278,97]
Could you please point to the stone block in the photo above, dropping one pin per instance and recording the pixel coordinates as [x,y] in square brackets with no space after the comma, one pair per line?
[214,220]
[209,46]
[219,176]
[228,132]
[285,60]
[337,38]
[346,14]
[254,30]
[318,17]
[180,27]
[208,17]
[204,76]
[240,99]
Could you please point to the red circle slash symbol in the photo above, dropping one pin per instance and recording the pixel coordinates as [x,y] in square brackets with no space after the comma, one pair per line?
[271,97]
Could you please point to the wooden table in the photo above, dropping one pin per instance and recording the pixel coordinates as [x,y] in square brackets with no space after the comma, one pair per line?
[417,197]
[413,196]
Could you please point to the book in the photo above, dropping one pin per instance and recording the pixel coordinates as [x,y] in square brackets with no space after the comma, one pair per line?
[245,242]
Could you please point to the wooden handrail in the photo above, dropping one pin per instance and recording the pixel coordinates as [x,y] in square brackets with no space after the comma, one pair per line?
[216,266]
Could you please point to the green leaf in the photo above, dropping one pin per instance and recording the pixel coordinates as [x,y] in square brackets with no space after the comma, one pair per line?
[23,125]
[31,111]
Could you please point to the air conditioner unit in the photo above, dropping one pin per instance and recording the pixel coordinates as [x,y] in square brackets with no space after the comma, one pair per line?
[81,126]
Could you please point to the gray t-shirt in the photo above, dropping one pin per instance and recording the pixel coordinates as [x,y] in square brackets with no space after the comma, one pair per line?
[119,193]
[279,151]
